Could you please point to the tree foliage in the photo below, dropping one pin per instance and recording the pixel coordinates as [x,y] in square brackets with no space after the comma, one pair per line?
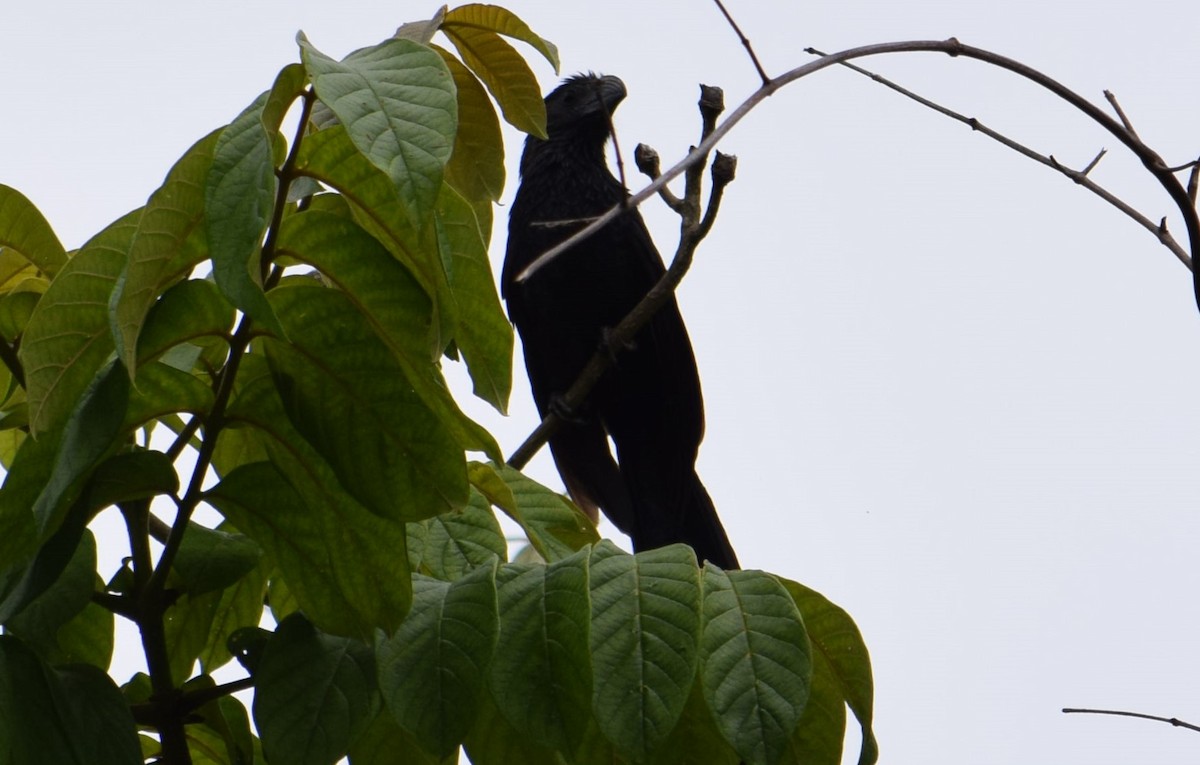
[264,337]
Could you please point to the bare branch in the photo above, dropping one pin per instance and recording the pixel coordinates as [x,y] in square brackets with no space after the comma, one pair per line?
[762,73]
[1169,720]
[1148,157]
[1095,161]
[1078,176]
[1112,99]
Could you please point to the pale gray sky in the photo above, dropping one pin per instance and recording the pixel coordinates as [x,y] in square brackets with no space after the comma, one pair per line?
[945,386]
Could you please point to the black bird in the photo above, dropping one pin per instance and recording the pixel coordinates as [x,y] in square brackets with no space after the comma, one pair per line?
[649,401]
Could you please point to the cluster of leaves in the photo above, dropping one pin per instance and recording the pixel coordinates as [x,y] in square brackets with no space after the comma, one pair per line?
[296,390]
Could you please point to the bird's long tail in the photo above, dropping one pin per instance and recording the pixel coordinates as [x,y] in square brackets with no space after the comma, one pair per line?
[693,520]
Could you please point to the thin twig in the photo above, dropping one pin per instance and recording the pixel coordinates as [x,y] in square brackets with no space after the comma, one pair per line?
[1078,176]
[1112,99]
[1169,720]
[1095,161]
[1148,157]
[762,73]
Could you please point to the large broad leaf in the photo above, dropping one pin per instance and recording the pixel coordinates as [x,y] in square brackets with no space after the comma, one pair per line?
[384,742]
[455,543]
[55,602]
[498,19]
[397,102]
[71,715]
[168,242]
[473,30]
[313,694]
[756,663]
[345,567]
[24,229]
[645,626]
[191,311]
[240,605]
[68,335]
[350,399]
[476,167]
[541,675]
[25,479]
[433,670]
[554,526]
[483,333]
[492,740]
[331,157]
[392,302]
[840,661]
[90,434]
[210,559]
[239,195]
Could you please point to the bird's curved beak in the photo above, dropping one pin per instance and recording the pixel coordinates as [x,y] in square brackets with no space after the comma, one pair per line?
[612,91]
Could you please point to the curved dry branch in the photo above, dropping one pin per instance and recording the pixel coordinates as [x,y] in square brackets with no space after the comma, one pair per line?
[1149,158]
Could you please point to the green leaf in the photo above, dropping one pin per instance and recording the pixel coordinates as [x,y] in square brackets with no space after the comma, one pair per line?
[239,195]
[209,559]
[504,72]
[331,157]
[163,390]
[346,394]
[476,167]
[384,742]
[493,741]
[240,605]
[140,474]
[385,293]
[313,694]
[92,432]
[68,336]
[840,658]
[87,638]
[756,663]
[555,527]
[15,310]
[190,310]
[696,739]
[483,333]
[501,20]
[459,541]
[541,675]
[24,229]
[187,624]
[645,624]
[229,720]
[27,476]
[432,671]
[26,579]
[169,241]
[345,566]
[68,716]
[397,102]
[56,602]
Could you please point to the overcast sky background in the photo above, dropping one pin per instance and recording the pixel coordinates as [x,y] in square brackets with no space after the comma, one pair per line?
[945,386]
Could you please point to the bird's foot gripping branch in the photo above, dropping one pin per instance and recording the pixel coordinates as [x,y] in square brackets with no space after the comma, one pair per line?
[247,371]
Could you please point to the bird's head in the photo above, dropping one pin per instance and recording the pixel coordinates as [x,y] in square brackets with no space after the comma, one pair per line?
[582,102]
[578,116]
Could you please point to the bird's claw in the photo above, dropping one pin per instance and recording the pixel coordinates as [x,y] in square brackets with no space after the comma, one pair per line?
[559,407]
[614,348]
